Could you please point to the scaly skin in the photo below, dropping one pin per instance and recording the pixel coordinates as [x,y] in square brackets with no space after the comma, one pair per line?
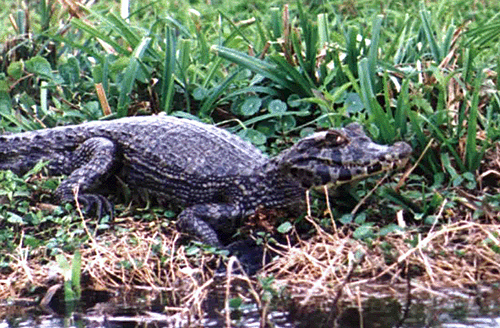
[216,176]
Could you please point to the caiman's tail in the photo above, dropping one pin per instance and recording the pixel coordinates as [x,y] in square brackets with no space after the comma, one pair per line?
[20,152]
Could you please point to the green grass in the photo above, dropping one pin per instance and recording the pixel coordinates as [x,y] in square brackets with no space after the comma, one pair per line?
[423,73]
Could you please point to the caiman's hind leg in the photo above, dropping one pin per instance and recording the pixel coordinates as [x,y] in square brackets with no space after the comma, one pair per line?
[91,163]
[203,220]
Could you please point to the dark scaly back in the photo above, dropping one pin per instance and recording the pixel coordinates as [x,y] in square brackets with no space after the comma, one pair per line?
[192,147]
[185,160]
[177,158]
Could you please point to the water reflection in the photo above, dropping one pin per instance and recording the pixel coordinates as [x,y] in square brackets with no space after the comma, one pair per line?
[375,313]
[279,318]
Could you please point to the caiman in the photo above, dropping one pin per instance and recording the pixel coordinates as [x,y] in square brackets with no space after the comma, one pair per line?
[217,177]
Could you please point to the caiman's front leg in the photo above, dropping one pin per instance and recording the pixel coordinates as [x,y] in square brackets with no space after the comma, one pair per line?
[203,220]
[89,165]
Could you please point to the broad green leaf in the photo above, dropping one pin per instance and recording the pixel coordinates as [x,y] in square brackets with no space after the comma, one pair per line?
[306,132]
[390,228]
[294,101]
[353,103]
[364,231]
[200,93]
[360,219]
[346,219]
[14,218]
[285,227]
[254,136]
[235,303]
[277,106]
[250,106]
[15,69]
[5,104]
[70,71]
[286,123]
[39,66]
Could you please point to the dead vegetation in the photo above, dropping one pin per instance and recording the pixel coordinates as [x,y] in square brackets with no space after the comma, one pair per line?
[313,273]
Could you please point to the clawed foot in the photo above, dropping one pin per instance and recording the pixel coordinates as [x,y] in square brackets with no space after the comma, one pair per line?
[95,204]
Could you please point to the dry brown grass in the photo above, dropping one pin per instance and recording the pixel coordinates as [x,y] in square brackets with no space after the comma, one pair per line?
[459,255]
[313,272]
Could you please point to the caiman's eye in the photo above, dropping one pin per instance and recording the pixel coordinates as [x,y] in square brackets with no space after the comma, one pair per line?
[334,138]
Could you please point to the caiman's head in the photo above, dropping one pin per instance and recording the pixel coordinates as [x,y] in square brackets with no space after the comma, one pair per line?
[338,156]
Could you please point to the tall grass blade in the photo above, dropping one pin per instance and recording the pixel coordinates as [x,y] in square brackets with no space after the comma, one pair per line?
[323,33]
[215,94]
[130,76]
[276,23]
[212,72]
[122,28]
[76,272]
[402,107]
[401,44]
[365,82]
[432,165]
[303,85]
[382,120]
[352,52]
[100,36]
[183,64]
[310,39]
[179,27]
[374,47]
[278,71]
[45,14]
[429,34]
[472,156]
[444,141]
[168,77]
[448,39]
[203,52]
[71,43]
[484,34]
[236,30]
[64,266]
[468,76]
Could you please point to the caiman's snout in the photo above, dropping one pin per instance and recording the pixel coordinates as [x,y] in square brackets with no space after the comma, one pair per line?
[403,152]
[341,155]
[397,155]
[403,149]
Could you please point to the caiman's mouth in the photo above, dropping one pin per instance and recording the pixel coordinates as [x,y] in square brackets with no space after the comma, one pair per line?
[347,173]
[325,172]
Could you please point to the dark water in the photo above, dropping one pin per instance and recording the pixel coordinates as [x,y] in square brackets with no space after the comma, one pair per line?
[420,317]
[279,320]
[383,312]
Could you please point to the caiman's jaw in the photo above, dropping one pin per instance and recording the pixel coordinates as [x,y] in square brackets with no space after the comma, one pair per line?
[340,156]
